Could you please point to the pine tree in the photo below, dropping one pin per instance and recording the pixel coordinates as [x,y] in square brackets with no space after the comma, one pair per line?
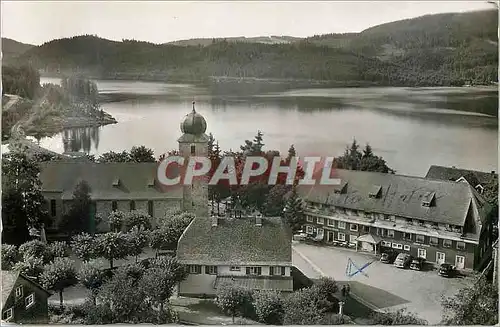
[211,141]
[291,153]
[257,143]
[293,212]
[367,152]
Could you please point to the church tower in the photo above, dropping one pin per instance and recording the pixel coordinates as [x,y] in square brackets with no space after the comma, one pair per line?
[194,142]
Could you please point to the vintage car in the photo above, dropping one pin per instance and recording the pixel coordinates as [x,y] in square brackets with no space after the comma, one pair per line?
[446,270]
[403,260]
[417,263]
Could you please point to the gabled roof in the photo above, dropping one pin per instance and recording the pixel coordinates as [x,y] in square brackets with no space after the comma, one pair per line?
[9,279]
[400,196]
[453,174]
[134,180]
[236,241]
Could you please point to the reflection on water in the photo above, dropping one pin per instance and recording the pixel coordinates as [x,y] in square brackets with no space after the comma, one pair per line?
[411,128]
[80,139]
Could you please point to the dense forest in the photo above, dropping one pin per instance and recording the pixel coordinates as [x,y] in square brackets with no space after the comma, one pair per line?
[434,50]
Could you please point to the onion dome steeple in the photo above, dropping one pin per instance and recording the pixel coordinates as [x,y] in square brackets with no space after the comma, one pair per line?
[193,123]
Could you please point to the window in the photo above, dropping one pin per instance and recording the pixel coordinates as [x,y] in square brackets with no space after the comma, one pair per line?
[29,300]
[409,221]
[407,236]
[150,208]
[387,244]
[386,217]
[397,246]
[433,241]
[193,149]
[341,225]
[320,221]
[254,271]
[390,233]
[132,205]
[353,238]
[406,247]
[19,292]
[114,205]
[211,270]
[194,269]
[460,245]
[7,314]
[341,237]
[309,229]
[420,238]
[366,229]
[422,253]
[354,212]
[354,227]
[234,268]
[330,222]
[53,208]
[277,271]
[447,243]
[309,219]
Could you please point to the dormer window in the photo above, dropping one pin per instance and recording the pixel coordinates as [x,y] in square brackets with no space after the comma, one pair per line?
[428,199]
[375,191]
[480,188]
[342,189]
[116,182]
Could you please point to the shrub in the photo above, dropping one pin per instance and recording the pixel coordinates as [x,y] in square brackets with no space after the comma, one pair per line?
[10,256]
[269,307]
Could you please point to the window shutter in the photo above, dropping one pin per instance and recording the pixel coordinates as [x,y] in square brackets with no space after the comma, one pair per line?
[207,271]
[271,271]
[282,271]
[248,270]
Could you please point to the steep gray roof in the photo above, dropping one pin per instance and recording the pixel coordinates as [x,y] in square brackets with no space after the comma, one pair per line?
[135,180]
[9,279]
[451,173]
[236,241]
[399,196]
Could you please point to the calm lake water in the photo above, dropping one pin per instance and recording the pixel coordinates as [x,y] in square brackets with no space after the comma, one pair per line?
[412,128]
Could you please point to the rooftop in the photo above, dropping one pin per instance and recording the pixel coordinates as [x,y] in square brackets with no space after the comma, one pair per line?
[117,180]
[452,174]
[412,197]
[236,241]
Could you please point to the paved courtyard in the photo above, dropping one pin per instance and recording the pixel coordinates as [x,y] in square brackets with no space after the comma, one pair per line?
[385,286]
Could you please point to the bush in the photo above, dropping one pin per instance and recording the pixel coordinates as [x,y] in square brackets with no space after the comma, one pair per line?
[233,300]
[399,317]
[58,250]
[269,307]
[30,266]
[10,256]
[34,248]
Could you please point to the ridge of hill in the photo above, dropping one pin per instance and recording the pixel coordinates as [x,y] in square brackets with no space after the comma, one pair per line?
[12,48]
[432,50]
[273,39]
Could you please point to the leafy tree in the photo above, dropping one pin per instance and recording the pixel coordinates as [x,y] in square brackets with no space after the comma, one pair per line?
[58,250]
[142,154]
[476,304]
[399,317]
[276,200]
[112,246]
[111,156]
[10,256]
[23,205]
[137,240]
[30,266]
[169,264]
[59,275]
[84,246]
[159,284]
[326,287]
[166,236]
[77,219]
[126,301]
[116,220]
[301,308]
[353,159]
[232,299]
[36,249]
[293,211]
[91,277]
[137,218]
[23,81]
[269,307]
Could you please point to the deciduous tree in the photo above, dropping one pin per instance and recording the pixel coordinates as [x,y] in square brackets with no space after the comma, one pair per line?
[85,246]
[91,276]
[269,307]
[142,154]
[232,299]
[78,218]
[58,275]
[112,246]
[399,317]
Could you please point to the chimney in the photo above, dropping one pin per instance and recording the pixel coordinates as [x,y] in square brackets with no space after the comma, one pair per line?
[493,172]
[215,220]
[258,219]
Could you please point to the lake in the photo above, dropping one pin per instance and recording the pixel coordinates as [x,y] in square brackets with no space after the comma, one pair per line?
[411,128]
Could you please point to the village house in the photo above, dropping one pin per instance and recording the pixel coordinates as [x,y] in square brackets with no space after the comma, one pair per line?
[23,300]
[245,249]
[127,186]
[477,179]
[441,221]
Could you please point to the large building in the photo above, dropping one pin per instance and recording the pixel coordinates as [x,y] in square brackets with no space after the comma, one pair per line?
[127,186]
[441,221]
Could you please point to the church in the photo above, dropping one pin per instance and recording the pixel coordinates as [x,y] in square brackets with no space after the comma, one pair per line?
[242,247]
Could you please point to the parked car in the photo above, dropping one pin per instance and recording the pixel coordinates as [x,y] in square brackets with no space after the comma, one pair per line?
[300,236]
[417,264]
[387,257]
[446,270]
[403,260]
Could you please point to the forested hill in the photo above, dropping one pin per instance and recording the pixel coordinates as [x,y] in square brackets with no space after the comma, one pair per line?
[444,49]
[12,48]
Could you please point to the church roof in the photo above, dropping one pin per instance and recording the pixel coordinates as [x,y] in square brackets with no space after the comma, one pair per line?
[112,181]
[236,241]
[193,123]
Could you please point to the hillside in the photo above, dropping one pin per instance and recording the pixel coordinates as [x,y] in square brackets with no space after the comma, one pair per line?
[258,39]
[433,50]
[12,48]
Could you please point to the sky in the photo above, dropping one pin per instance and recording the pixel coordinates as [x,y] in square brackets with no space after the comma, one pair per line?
[161,22]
